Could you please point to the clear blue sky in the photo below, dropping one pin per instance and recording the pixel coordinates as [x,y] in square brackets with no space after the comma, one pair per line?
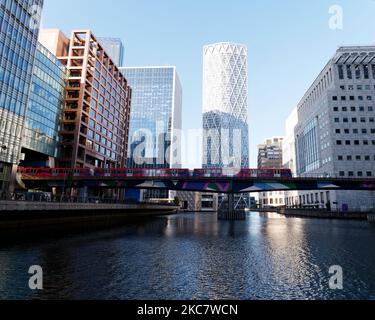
[289,42]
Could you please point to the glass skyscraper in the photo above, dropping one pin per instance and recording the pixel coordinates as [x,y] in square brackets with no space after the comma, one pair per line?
[19,28]
[225,109]
[41,134]
[114,48]
[155,120]
[155,117]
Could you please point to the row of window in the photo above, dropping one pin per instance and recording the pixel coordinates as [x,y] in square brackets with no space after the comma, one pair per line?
[351,98]
[358,87]
[355,131]
[354,109]
[358,174]
[355,142]
[357,71]
[355,120]
[356,158]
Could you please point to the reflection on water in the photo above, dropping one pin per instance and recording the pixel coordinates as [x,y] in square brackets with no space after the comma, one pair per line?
[195,257]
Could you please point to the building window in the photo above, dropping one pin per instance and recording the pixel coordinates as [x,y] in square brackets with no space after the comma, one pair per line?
[366,72]
[357,72]
[349,72]
[341,72]
[369,173]
[339,142]
[342,174]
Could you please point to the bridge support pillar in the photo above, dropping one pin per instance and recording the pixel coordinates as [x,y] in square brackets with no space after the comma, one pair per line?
[228,212]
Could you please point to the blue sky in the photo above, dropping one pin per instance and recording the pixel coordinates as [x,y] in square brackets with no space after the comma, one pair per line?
[289,42]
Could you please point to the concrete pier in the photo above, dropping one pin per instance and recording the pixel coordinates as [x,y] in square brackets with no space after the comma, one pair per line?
[16,214]
[228,211]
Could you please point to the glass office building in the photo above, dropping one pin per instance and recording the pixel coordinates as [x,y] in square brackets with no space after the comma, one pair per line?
[19,28]
[45,105]
[155,121]
[155,117]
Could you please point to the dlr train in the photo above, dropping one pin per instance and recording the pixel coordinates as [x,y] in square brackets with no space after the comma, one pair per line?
[155,173]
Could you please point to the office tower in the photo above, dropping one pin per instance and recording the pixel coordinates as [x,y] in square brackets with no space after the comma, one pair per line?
[225,109]
[95,122]
[156,121]
[270,156]
[114,48]
[335,134]
[40,143]
[19,28]
[270,153]
[225,112]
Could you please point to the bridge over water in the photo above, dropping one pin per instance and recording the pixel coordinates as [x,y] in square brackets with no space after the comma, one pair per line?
[226,185]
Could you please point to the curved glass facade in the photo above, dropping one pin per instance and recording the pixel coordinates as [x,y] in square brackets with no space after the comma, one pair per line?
[45,104]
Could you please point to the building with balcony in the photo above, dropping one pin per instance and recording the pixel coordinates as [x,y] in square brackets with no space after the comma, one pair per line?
[19,28]
[95,121]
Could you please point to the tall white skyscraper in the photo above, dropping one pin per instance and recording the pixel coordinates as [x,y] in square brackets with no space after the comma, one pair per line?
[225,109]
